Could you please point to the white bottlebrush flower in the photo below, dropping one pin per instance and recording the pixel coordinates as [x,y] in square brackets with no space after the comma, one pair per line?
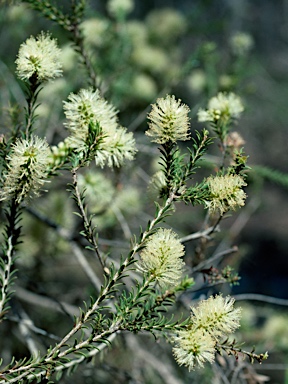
[84,108]
[39,57]
[216,316]
[212,320]
[224,106]
[194,348]
[162,258]
[117,146]
[226,193]
[88,107]
[169,120]
[27,168]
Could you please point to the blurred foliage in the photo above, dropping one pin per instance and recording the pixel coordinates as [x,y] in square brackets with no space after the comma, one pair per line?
[191,50]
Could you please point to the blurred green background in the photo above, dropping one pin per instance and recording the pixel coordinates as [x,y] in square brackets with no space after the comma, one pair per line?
[185,48]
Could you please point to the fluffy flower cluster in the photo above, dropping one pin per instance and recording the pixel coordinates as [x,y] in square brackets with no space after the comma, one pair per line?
[225,193]
[27,165]
[39,57]
[88,107]
[169,120]
[212,320]
[224,107]
[162,258]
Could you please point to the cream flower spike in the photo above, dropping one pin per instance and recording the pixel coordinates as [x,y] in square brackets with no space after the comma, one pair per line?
[162,258]
[224,106]
[27,169]
[39,57]
[117,145]
[226,193]
[169,121]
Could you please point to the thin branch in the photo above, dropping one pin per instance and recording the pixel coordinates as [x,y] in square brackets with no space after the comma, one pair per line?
[198,235]
[87,225]
[25,330]
[214,258]
[29,324]
[262,298]
[85,265]
[5,275]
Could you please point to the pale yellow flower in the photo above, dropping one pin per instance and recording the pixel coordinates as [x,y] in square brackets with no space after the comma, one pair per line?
[194,348]
[85,108]
[117,146]
[27,169]
[162,258]
[216,316]
[224,106]
[212,320]
[88,107]
[39,57]
[226,193]
[169,120]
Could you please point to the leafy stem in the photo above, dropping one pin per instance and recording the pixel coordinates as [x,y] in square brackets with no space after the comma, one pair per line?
[89,230]
[12,233]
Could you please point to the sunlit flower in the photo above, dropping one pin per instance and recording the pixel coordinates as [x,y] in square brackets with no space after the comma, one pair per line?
[225,193]
[212,320]
[216,316]
[27,165]
[39,57]
[169,120]
[194,348]
[162,258]
[85,108]
[116,147]
[224,106]
[88,107]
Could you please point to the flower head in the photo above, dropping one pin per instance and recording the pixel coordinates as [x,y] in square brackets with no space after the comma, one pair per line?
[39,57]
[211,320]
[216,316]
[116,147]
[27,165]
[225,193]
[193,348]
[162,258]
[88,107]
[169,120]
[224,107]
